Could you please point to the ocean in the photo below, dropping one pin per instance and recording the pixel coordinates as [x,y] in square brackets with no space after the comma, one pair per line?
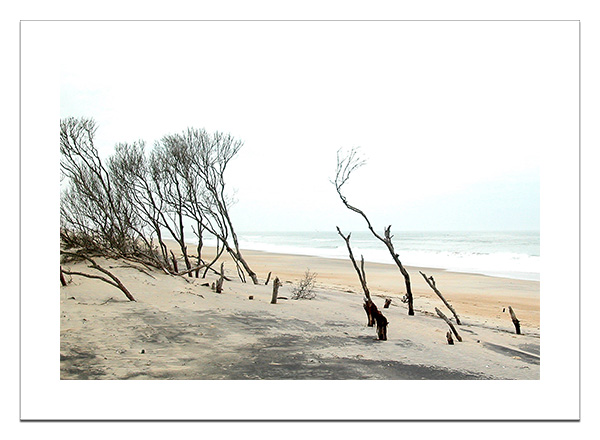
[505,254]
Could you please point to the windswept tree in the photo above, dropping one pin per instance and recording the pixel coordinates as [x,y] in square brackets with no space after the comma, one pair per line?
[168,162]
[130,171]
[347,163]
[93,214]
[208,201]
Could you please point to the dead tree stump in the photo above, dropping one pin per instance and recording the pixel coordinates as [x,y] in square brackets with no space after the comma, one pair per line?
[276,284]
[445,318]
[376,317]
[382,324]
[219,286]
[514,320]
[449,338]
[268,278]
[388,301]
[368,305]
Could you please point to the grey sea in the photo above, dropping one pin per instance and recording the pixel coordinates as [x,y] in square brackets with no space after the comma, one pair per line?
[514,254]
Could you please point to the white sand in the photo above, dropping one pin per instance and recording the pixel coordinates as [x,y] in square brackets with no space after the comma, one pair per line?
[179,329]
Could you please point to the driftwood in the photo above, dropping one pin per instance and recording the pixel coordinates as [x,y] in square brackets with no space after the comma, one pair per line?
[268,278]
[113,281]
[449,338]
[445,318]
[63,282]
[133,266]
[431,283]
[225,277]
[276,284]
[219,285]
[388,301]
[185,272]
[514,320]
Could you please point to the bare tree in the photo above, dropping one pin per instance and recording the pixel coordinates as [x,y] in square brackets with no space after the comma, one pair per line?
[362,276]
[130,171]
[346,165]
[167,162]
[209,156]
[120,209]
[94,215]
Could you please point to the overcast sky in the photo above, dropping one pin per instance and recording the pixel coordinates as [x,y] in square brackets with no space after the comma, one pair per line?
[452,117]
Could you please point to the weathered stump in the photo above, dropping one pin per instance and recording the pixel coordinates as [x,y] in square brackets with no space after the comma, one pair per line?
[382,324]
[514,320]
[376,317]
[388,301]
[276,284]
[268,278]
[449,338]
[219,285]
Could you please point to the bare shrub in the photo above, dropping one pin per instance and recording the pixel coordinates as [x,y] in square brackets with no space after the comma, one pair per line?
[304,289]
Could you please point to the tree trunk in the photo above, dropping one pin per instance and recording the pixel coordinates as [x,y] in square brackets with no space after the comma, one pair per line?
[431,283]
[449,338]
[276,284]
[174,262]
[199,247]
[63,282]
[268,278]
[388,301]
[368,306]
[441,315]
[362,277]
[375,316]
[515,320]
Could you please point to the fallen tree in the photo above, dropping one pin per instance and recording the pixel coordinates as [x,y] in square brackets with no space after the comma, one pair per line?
[113,281]
[431,282]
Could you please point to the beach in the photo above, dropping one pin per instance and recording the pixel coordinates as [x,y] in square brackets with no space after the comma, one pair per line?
[180,328]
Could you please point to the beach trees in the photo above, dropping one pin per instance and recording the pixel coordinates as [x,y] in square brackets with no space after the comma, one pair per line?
[347,163]
[207,199]
[93,213]
[119,207]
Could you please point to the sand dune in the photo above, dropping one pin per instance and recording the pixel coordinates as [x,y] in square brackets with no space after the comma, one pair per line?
[180,329]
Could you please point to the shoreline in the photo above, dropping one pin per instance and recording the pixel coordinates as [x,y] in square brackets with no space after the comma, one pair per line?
[384,257]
